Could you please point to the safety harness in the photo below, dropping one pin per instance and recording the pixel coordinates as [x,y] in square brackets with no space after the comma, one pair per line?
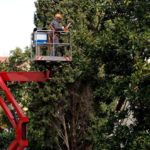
[51,36]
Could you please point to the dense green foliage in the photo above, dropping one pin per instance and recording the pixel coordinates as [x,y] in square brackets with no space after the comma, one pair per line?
[79,108]
[6,139]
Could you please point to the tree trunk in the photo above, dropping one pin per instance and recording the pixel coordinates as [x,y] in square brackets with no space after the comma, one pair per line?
[65,133]
[73,122]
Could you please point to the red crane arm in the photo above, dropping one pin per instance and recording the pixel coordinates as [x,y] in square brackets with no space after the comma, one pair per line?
[24,76]
[20,141]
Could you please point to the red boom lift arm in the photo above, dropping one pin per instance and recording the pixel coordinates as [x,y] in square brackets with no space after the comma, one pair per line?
[20,141]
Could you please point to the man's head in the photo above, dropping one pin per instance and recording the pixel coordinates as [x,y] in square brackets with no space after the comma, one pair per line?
[58,16]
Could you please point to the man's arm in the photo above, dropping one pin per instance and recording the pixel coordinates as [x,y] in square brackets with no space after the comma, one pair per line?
[57,27]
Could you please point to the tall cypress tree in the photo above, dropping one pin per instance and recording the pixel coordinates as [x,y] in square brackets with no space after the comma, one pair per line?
[110,43]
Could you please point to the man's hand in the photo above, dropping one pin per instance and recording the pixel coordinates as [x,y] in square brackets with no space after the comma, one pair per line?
[63,28]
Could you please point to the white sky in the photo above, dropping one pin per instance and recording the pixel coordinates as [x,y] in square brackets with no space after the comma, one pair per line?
[16,24]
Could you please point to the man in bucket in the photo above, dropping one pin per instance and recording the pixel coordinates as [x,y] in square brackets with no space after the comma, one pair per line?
[54,34]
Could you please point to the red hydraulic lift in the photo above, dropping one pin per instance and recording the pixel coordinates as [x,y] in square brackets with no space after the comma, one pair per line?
[20,141]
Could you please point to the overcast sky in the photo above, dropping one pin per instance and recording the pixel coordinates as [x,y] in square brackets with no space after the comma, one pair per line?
[16,24]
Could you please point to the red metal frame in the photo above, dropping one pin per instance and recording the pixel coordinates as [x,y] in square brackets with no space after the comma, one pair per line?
[20,141]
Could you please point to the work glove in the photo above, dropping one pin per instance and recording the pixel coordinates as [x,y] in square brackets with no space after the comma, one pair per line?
[63,28]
